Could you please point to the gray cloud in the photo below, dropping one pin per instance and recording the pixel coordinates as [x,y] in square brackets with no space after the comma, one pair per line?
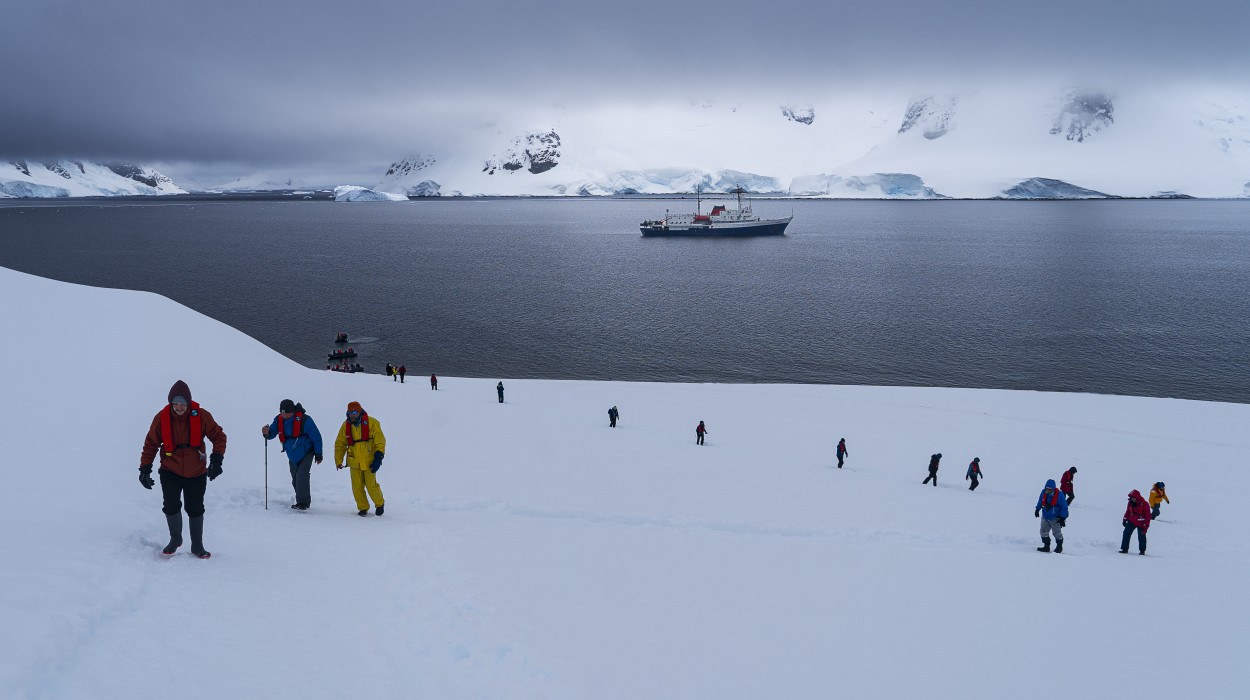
[320,82]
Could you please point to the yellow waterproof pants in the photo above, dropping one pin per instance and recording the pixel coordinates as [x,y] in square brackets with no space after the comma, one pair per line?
[362,480]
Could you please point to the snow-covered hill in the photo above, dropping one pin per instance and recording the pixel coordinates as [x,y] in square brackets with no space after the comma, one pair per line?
[76,178]
[529,551]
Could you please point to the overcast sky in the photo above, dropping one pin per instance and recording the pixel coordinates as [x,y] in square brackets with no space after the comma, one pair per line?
[310,82]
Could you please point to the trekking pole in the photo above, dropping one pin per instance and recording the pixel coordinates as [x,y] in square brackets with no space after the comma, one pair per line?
[262,437]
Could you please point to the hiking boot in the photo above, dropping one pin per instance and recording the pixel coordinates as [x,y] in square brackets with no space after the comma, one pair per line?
[382,509]
[363,513]
[1123,551]
[197,538]
[299,506]
[175,533]
[1059,547]
[1045,545]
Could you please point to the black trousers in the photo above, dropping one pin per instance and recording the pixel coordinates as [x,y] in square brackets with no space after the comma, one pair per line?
[975,483]
[1141,537]
[1071,497]
[840,458]
[178,490]
[932,475]
[611,421]
[698,438]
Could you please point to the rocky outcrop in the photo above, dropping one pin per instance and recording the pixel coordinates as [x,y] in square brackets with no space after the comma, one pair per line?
[535,152]
[1083,115]
[931,115]
[803,114]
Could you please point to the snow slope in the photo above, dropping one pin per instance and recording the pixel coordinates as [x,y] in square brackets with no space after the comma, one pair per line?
[529,551]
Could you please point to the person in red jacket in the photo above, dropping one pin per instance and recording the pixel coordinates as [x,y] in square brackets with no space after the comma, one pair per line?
[433,383]
[699,431]
[1065,484]
[1136,517]
[178,432]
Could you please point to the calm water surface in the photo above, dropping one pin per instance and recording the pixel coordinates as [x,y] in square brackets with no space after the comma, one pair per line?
[1127,297]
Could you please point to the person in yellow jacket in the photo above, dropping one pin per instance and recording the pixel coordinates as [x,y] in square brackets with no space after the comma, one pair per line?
[1157,495]
[362,442]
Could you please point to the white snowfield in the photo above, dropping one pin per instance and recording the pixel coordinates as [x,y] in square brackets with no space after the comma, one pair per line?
[529,551]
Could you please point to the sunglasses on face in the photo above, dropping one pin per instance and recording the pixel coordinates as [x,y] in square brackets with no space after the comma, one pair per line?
[353,413]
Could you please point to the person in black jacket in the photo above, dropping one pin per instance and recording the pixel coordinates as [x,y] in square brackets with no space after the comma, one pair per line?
[933,467]
[842,453]
[613,415]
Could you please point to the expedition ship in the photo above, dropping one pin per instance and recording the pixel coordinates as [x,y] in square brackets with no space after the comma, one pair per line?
[722,221]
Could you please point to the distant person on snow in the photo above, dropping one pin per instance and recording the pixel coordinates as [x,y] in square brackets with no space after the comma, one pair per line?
[933,469]
[301,441]
[395,373]
[1136,517]
[1065,485]
[403,370]
[699,431]
[178,433]
[500,390]
[389,369]
[1053,510]
[433,383]
[842,453]
[361,440]
[974,473]
[1157,496]
[613,415]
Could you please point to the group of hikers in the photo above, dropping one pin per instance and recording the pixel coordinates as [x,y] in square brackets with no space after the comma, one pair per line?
[178,433]
[1053,501]
[179,430]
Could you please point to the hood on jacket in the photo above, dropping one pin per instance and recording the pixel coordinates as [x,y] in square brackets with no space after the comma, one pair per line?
[1135,494]
[355,406]
[1050,483]
[179,388]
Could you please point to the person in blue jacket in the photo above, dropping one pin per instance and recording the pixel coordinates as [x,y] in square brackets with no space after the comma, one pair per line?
[1052,508]
[301,441]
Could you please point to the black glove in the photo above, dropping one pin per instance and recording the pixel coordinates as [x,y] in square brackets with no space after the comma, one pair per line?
[317,459]
[1125,523]
[145,478]
[377,462]
[1037,513]
[214,465]
[1063,522]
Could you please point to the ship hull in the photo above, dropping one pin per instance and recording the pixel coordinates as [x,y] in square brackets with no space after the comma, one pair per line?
[762,228]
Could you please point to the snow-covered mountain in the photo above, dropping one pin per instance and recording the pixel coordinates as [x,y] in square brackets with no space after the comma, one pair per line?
[979,143]
[76,178]
[1057,142]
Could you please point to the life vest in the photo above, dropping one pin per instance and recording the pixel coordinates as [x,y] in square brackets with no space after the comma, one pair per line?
[1054,499]
[167,432]
[297,425]
[364,430]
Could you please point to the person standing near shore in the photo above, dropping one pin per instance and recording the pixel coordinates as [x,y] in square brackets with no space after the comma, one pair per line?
[699,431]
[178,432]
[613,415]
[500,390]
[433,383]
[842,453]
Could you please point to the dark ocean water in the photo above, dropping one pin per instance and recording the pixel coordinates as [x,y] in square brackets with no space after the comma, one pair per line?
[1126,297]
